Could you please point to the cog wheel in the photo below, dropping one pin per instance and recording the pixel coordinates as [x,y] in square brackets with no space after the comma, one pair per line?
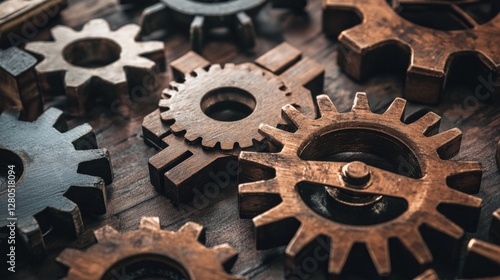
[202,15]
[207,111]
[156,253]
[282,182]
[384,29]
[57,174]
[96,62]
[482,261]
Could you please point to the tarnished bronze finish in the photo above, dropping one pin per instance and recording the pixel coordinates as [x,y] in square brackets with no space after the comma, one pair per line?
[382,36]
[201,16]
[150,253]
[19,19]
[215,112]
[495,226]
[427,275]
[277,194]
[482,261]
[97,63]
[57,174]
[18,83]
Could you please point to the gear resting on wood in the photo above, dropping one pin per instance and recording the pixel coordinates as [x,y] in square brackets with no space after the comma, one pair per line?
[202,15]
[97,63]
[151,253]
[305,191]
[215,112]
[20,18]
[383,34]
[18,83]
[55,171]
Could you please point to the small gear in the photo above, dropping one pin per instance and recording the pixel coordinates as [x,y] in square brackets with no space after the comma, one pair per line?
[219,108]
[57,174]
[95,61]
[298,190]
[482,261]
[156,253]
[381,32]
[201,15]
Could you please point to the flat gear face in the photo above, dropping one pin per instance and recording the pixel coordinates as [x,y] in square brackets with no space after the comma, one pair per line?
[55,171]
[95,59]
[301,161]
[430,51]
[182,252]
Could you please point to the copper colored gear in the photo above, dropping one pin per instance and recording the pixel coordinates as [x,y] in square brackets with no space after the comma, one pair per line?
[58,174]
[482,261]
[210,143]
[275,196]
[96,60]
[431,51]
[182,252]
[495,226]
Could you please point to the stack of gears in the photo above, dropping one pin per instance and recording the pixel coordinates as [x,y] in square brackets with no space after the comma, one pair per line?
[302,179]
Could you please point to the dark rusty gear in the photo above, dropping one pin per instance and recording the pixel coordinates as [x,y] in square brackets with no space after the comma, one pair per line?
[379,30]
[18,16]
[276,198]
[202,15]
[58,173]
[482,261]
[199,106]
[96,60]
[180,255]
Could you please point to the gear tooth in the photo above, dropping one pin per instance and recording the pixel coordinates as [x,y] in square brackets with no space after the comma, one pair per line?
[69,257]
[273,215]
[415,244]
[428,124]
[229,66]
[301,239]
[77,78]
[227,145]
[100,25]
[247,143]
[326,106]
[106,233]
[190,136]
[150,223]
[175,127]
[439,222]
[459,198]
[129,30]
[78,132]
[397,109]
[213,68]
[208,143]
[150,46]
[379,253]
[141,63]
[265,187]
[167,116]
[339,252]
[9,115]
[164,104]
[50,117]
[192,230]
[429,274]
[361,102]
[447,143]
[293,116]
[275,134]
[225,253]
[62,33]
[266,159]
[91,155]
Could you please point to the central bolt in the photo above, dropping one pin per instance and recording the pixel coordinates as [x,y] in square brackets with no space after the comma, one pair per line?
[356,173]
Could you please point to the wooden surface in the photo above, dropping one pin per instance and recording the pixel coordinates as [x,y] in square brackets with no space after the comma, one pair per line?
[132,196]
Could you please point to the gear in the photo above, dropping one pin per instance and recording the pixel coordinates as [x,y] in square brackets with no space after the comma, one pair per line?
[202,15]
[55,171]
[373,41]
[157,253]
[284,200]
[212,106]
[482,261]
[96,60]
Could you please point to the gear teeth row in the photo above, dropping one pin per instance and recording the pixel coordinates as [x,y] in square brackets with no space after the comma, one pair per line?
[59,173]
[122,63]
[274,216]
[197,147]
[113,247]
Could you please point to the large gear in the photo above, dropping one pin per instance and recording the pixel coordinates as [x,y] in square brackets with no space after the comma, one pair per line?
[96,60]
[58,173]
[219,107]
[378,29]
[158,254]
[279,198]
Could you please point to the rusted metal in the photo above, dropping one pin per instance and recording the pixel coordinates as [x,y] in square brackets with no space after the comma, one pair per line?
[97,63]
[290,192]
[155,253]
[199,16]
[482,261]
[374,34]
[20,20]
[215,112]
[57,174]
[18,83]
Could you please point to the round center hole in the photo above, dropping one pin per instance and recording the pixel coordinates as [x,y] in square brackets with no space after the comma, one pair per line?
[11,168]
[228,104]
[92,53]
[447,15]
